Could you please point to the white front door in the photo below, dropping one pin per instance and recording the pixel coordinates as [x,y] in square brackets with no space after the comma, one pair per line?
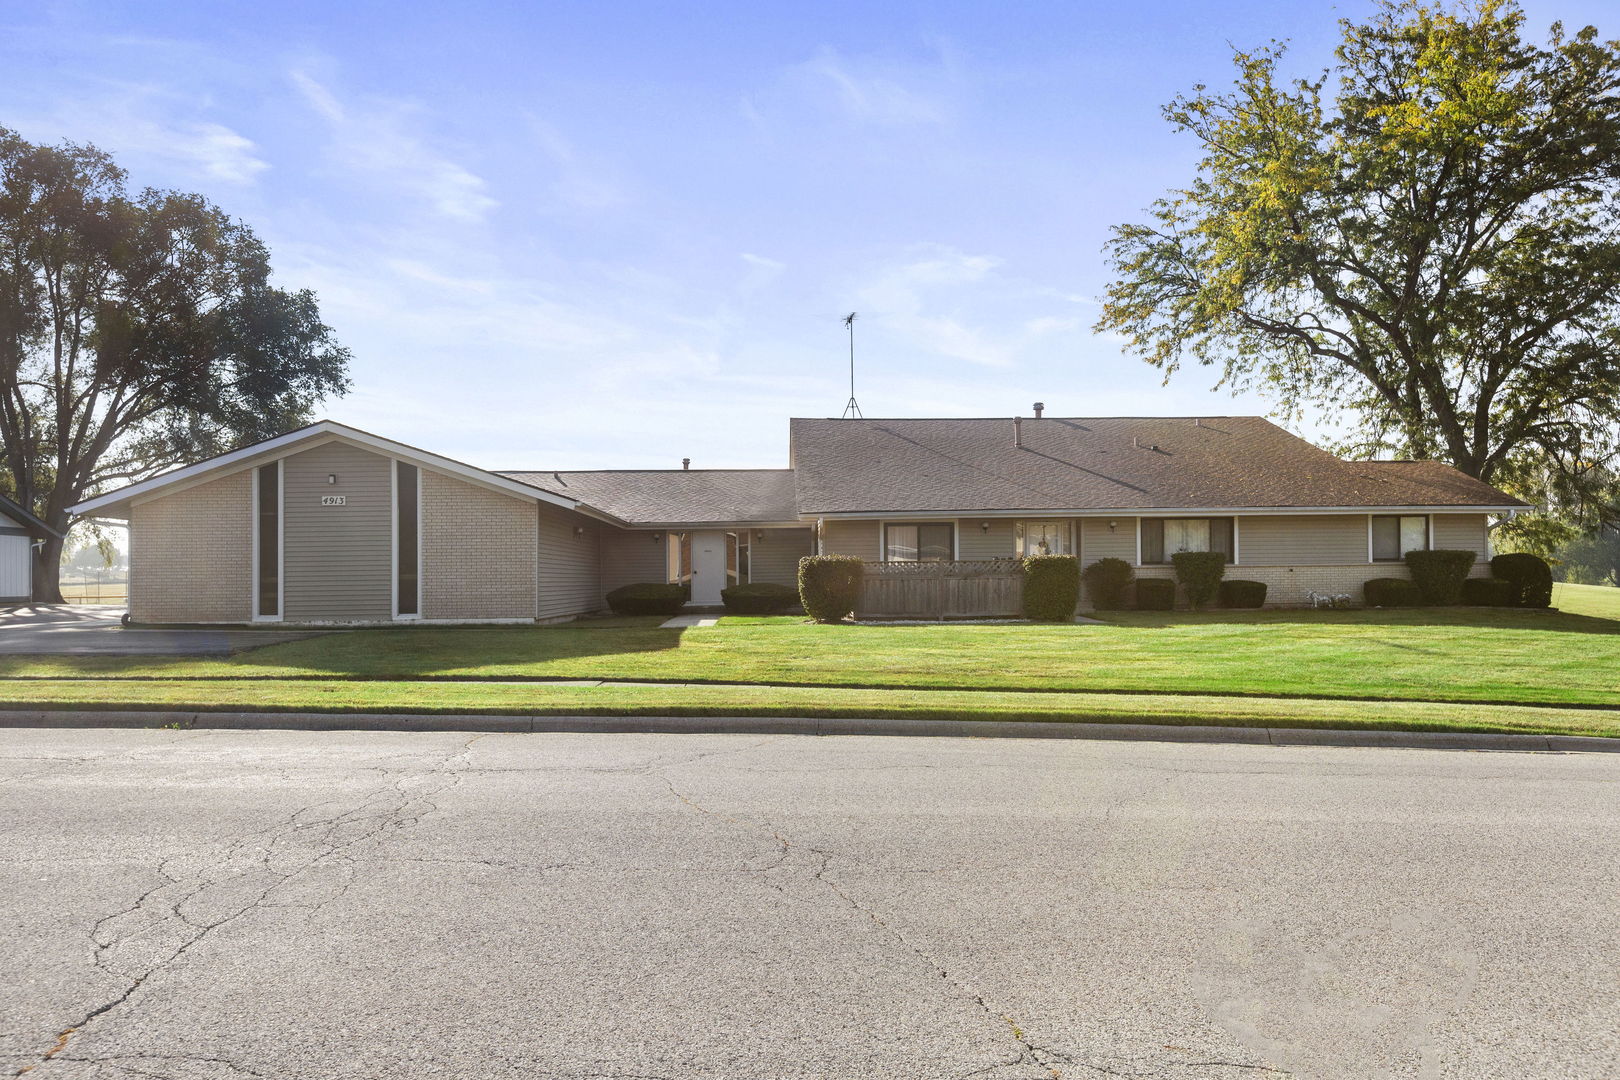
[708,567]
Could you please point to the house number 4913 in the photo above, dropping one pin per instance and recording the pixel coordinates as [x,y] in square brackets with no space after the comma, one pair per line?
[333,500]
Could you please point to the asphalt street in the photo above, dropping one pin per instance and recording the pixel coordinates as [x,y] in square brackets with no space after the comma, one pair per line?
[211,905]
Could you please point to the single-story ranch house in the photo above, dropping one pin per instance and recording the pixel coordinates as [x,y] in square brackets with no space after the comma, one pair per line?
[333,524]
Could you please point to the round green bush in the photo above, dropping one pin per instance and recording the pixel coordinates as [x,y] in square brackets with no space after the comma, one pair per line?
[1155,594]
[1391,592]
[1530,575]
[1490,592]
[1237,593]
[830,586]
[1106,583]
[759,598]
[1200,573]
[1439,574]
[1051,587]
[648,598]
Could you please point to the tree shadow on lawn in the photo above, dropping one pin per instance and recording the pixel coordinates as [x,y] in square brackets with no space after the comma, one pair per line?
[460,651]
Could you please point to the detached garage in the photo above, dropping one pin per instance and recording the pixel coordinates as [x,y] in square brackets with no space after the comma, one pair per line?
[19,529]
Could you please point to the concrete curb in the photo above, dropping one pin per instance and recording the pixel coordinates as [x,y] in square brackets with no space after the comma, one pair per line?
[792,725]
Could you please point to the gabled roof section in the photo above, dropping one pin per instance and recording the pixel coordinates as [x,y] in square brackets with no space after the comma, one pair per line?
[26,518]
[1104,463]
[116,504]
[676,497]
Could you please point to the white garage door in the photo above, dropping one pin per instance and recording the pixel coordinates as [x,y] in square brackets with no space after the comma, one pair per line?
[14,564]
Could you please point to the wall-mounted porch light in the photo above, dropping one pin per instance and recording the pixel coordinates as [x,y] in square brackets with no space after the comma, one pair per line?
[1112,525]
[331,478]
[984,526]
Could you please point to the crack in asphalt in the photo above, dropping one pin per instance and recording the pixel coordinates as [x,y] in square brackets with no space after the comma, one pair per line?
[391,807]
[1029,1053]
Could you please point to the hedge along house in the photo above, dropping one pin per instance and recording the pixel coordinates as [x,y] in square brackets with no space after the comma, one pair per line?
[329,524]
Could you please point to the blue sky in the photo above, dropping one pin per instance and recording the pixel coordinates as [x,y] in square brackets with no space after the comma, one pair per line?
[618,234]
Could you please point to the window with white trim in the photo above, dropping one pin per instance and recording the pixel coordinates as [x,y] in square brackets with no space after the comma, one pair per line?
[920,542]
[1164,537]
[1393,535]
[1043,538]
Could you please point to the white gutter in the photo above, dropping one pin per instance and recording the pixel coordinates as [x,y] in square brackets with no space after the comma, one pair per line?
[1166,511]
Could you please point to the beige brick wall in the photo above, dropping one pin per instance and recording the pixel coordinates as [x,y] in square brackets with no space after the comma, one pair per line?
[191,554]
[479,551]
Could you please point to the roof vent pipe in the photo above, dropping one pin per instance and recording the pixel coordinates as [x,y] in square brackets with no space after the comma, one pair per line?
[1018,431]
[686,463]
[1040,407]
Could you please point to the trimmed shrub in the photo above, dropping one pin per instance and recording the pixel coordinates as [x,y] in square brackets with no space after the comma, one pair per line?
[1200,573]
[1106,582]
[1155,594]
[1236,593]
[830,586]
[1530,575]
[648,598]
[1439,574]
[759,598]
[1490,592]
[1051,587]
[1392,592]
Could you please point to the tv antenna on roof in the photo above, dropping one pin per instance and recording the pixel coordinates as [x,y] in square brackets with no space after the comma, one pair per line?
[852,411]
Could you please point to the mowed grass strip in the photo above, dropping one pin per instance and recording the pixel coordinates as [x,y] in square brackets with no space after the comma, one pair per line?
[546,699]
[1449,654]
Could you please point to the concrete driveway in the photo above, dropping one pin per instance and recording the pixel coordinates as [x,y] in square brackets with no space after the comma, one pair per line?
[91,629]
[191,905]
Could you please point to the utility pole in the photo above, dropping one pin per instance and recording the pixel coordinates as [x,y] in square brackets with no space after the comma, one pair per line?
[852,411]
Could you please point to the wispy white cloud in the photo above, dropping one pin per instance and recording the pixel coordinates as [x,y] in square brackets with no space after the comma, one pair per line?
[376,137]
[946,302]
[868,91]
[580,179]
[139,121]
[871,94]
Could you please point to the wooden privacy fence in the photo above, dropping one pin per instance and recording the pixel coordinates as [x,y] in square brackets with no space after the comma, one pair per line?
[991,588]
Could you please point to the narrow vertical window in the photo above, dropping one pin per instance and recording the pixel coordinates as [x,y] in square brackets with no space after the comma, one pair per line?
[405,551]
[269,492]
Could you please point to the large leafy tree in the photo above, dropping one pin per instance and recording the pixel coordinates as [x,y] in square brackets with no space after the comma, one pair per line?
[1422,245]
[136,332]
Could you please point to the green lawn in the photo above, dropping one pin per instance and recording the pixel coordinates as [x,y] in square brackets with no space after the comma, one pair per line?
[1598,601]
[1456,654]
[335,695]
[1456,669]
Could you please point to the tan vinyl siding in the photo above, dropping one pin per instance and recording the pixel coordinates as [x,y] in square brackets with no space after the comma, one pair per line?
[570,564]
[1098,542]
[775,559]
[1302,539]
[191,554]
[480,551]
[339,559]
[1465,532]
[630,557]
[859,538]
[976,543]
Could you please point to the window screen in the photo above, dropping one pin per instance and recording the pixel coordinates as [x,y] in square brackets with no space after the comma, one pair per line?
[1393,535]
[1164,537]
[920,543]
[269,480]
[408,542]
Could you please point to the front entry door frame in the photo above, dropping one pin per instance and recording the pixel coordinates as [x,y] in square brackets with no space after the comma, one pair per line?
[708,566]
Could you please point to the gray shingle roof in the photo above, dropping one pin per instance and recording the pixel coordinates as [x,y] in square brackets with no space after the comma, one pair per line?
[855,466]
[676,496]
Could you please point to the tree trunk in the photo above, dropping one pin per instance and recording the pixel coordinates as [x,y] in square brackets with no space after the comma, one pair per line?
[48,571]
